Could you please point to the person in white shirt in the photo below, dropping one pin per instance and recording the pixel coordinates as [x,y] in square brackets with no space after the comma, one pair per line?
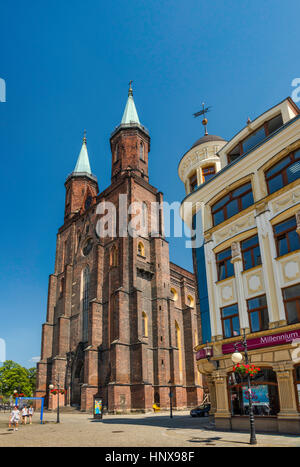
[30,414]
[14,418]
[24,415]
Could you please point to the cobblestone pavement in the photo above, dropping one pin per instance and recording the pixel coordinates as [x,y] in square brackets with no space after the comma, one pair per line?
[150,430]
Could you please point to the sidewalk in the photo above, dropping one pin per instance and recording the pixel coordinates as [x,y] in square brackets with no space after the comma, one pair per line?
[150,430]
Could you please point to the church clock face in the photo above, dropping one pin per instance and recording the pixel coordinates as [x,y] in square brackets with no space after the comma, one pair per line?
[87,247]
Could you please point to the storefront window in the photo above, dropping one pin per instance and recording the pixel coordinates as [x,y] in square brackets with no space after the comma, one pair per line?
[297,385]
[264,394]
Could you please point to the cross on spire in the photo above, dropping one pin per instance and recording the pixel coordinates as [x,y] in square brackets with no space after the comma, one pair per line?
[130,91]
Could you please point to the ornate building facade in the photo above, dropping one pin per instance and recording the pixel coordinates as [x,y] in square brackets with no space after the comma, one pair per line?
[245,197]
[122,321]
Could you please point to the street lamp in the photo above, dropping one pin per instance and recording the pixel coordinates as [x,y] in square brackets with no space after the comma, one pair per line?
[51,387]
[237,357]
[170,395]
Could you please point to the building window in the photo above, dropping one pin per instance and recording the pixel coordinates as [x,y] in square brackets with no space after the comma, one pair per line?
[286,171]
[142,156]
[250,252]
[191,301]
[208,172]
[232,203]
[297,385]
[230,321]
[144,226]
[178,345]
[256,137]
[193,181]
[85,303]
[264,389]
[286,237]
[113,260]
[144,324]
[174,295]
[224,266]
[141,249]
[258,313]
[117,153]
[62,287]
[291,298]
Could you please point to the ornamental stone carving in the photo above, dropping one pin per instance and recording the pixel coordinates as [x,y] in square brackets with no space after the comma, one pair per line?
[236,254]
[298,222]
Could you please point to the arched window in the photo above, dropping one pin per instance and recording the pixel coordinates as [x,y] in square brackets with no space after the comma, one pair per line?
[141,249]
[78,239]
[264,389]
[286,171]
[116,158]
[232,203]
[144,324]
[142,155]
[174,294]
[144,218]
[62,286]
[193,181]
[191,301]
[85,302]
[178,345]
[113,260]
[208,172]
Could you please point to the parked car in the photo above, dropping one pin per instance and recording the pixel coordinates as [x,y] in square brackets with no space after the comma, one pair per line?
[201,410]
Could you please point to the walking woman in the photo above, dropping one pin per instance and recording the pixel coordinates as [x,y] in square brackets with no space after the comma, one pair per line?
[30,413]
[24,415]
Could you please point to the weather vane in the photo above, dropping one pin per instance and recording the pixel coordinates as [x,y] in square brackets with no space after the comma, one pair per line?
[203,112]
[130,92]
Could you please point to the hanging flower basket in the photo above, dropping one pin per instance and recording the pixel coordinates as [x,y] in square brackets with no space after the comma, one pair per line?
[19,395]
[245,370]
[56,391]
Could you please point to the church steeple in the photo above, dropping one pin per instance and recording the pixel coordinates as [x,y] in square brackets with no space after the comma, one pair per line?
[130,115]
[81,185]
[130,143]
[83,163]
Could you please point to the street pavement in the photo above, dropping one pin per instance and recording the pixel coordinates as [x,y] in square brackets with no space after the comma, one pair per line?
[142,430]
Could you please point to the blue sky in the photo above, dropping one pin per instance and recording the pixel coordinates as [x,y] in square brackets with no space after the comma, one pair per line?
[67,65]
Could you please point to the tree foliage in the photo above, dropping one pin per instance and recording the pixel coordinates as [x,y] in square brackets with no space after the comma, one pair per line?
[15,377]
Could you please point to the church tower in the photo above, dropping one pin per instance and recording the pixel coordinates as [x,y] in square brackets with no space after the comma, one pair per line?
[81,185]
[130,143]
[122,320]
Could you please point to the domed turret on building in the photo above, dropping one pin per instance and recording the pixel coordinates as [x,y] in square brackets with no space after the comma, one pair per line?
[201,162]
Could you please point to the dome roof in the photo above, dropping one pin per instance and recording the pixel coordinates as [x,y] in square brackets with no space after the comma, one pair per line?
[206,139]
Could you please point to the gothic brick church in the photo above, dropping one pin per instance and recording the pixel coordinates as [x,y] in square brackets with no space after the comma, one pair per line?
[122,320]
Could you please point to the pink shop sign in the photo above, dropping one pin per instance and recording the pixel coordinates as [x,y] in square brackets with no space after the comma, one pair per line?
[264,341]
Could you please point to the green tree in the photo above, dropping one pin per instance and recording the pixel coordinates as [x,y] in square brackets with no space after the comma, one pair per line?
[14,377]
[32,378]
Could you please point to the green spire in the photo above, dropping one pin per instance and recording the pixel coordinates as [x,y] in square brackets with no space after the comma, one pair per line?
[130,114]
[83,163]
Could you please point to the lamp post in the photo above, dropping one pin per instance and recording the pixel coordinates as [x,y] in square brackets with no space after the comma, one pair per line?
[52,387]
[237,357]
[170,395]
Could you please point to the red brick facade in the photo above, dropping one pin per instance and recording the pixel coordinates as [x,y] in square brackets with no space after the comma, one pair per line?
[134,340]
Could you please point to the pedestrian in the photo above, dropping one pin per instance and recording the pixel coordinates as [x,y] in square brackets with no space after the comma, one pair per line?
[24,415]
[14,418]
[30,413]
